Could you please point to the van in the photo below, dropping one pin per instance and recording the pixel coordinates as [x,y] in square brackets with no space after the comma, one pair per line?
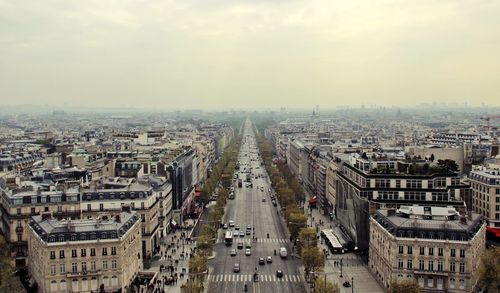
[283,252]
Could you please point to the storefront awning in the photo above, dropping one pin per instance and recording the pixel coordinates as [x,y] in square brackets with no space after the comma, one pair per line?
[312,200]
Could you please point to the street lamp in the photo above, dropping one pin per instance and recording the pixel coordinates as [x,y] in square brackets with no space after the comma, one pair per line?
[341,267]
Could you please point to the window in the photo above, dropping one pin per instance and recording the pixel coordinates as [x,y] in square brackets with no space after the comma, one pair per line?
[452,267]
[84,266]
[92,252]
[409,264]
[440,251]
[33,211]
[92,266]
[410,250]
[18,211]
[104,251]
[401,249]
[101,207]
[452,252]
[462,267]
[61,253]
[451,283]
[113,264]
[430,282]
[19,236]
[440,266]
[422,250]
[62,268]
[461,284]
[52,269]
[83,252]
[431,265]
[113,250]
[142,205]
[104,265]
[431,250]
[73,253]
[400,263]
[89,207]
[462,252]
[421,265]
[74,268]
[52,254]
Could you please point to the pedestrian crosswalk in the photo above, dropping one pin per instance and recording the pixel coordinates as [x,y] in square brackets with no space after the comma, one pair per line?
[259,240]
[249,278]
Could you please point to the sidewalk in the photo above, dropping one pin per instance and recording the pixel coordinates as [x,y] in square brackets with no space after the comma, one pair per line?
[173,263]
[353,266]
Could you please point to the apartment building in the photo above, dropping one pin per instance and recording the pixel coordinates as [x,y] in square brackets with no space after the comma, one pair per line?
[436,246]
[365,184]
[22,198]
[85,255]
[485,185]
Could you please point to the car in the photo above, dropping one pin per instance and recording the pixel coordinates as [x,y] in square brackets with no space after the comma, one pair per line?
[225,227]
[263,199]
[242,234]
[346,284]
[236,268]
[269,259]
[237,227]
[231,223]
[240,245]
[248,252]
[235,234]
[248,245]
[249,227]
[279,273]
[274,203]
[262,261]
[248,232]
[233,252]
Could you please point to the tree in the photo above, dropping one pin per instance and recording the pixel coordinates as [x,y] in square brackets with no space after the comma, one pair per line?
[313,259]
[296,222]
[325,287]
[193,285]
[432,158]
[406,286]
[198,264]
[447,165]
[489,269]
[8,281]
[306,238]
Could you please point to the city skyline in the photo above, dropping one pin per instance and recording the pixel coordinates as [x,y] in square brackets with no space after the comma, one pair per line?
[248,54]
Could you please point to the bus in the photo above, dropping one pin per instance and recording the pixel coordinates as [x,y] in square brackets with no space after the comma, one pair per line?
[332,241]
[228,238]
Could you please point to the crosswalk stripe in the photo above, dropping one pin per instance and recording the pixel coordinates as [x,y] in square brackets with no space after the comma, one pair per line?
[248,278]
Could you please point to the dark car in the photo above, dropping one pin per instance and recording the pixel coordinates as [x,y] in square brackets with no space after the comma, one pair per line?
[240,245]
[262,261]
[279,273]
[346,284]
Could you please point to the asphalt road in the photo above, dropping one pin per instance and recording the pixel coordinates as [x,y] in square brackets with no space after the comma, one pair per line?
[248,208]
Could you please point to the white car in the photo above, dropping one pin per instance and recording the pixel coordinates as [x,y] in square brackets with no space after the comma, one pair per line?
[248,252]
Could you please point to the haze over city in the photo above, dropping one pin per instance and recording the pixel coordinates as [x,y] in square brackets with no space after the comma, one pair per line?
[248,54]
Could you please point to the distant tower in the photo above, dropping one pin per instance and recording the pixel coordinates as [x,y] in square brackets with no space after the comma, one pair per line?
[317,108]
[314,112]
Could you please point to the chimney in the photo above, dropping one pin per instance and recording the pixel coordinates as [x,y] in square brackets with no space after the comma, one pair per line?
[463,220]
[117,219]
[46,216]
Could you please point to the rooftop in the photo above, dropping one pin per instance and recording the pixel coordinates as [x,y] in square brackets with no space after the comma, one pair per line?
[53,230]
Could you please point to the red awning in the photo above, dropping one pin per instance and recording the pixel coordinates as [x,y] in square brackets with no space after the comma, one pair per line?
[493,230]
[197,193]
[313,200]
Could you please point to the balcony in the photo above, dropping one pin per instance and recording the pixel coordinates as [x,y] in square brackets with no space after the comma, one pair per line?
[84,273]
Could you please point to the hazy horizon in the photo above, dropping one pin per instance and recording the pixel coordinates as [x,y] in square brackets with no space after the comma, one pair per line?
[221,54]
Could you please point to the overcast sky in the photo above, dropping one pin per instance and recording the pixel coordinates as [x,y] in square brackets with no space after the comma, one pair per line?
[249,53]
